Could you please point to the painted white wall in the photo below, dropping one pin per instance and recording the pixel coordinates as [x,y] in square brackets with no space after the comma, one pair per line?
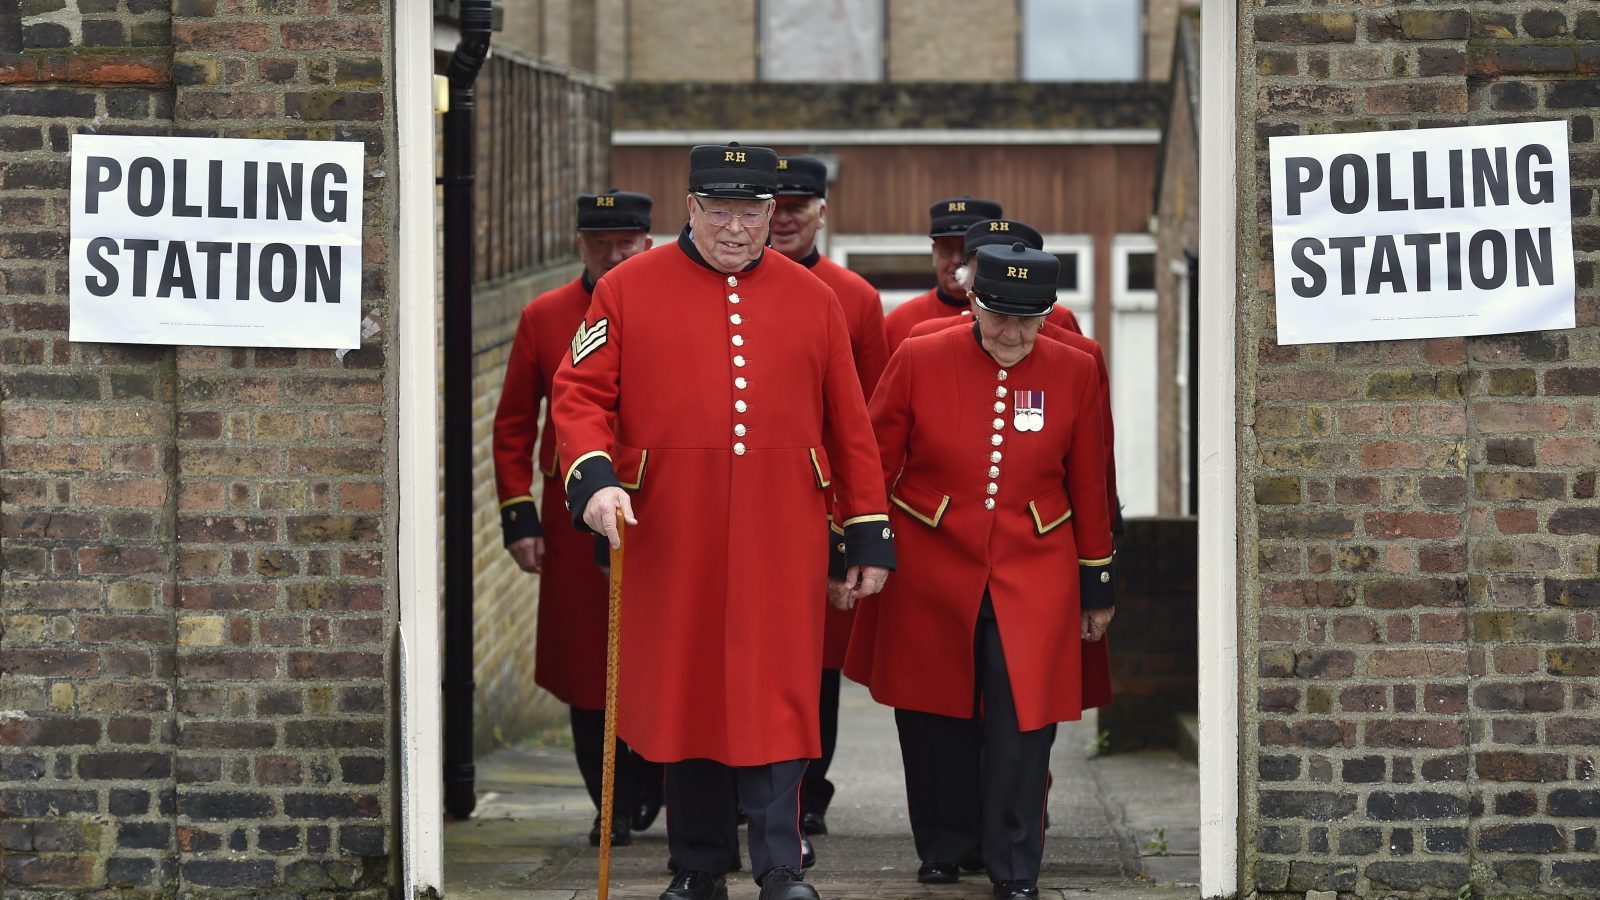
[1218,581]
[1135,368]
[417,550]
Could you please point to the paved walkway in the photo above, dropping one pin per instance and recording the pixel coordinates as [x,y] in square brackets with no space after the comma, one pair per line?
[1122,827]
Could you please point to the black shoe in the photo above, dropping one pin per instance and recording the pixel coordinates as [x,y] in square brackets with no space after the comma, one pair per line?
[808,854]
[973,862]
[1016,890]
[938,873]
[620,835]
[644,814]
[696,886]
[813,823]
[784,883]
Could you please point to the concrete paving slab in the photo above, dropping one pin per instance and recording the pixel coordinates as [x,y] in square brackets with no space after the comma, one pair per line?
[528,839]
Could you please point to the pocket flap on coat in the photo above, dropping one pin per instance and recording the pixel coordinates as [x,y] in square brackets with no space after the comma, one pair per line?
[1050,512]
[629,463]
[819,468]
[924,504]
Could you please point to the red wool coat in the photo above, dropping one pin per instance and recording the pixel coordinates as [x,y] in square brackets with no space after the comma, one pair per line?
[718,401]
[570,641]
[863,315]
[948,423]
[1076,341]
[898,323]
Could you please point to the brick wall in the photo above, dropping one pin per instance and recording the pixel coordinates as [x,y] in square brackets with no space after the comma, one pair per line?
[1177,240]
[195,673]
[1418,526]
[692,40]
[953,40]
[544,136]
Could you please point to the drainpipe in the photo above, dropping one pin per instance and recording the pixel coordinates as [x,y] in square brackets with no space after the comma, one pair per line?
[476,21]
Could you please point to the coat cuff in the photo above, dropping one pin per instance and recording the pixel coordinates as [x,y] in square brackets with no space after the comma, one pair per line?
[836,548]
[592,472]
[1096,584]
[602,551]
[869,542]
[1117,525]
[519,518]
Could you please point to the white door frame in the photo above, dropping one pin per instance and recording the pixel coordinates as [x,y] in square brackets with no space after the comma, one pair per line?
[421,814]
[1218,537]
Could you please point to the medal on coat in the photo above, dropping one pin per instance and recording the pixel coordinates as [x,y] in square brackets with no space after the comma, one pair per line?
[1027,408]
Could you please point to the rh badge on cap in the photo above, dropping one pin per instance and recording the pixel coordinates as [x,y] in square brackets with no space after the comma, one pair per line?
[1027,410]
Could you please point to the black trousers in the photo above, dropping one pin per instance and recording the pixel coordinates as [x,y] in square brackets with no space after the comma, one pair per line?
[636,776]
[702,799]
[816,791]
[980,782]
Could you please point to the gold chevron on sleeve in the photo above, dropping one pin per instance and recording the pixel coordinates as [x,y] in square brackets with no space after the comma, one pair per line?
[589,339]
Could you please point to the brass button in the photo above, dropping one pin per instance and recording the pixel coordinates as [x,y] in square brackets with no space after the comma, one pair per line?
[999,424]
[997,439]
[988,503]
[887,534]
[1000,391]
[732,281]
[738,361]
[738,449]
[1002,375]
[740,406]
[735,319]
[738,340]
[740,383]
[1105,577]
[999,406]
[994,457]
[993,488]
[994,471]
[738,430]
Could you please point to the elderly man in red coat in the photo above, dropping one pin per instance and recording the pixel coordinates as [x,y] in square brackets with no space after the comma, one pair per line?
[570,640]
[710,398]
[947,229]
[802,210]
[991,440]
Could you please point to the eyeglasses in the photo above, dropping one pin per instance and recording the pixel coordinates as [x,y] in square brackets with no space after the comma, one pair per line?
[723,217]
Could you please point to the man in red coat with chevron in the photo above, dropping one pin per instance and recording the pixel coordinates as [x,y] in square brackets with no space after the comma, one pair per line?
[570,640]
[711,399]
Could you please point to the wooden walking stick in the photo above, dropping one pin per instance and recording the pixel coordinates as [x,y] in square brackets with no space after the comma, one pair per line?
[608,772]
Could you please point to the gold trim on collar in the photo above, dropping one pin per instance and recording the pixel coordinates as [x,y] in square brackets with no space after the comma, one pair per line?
[1040,525]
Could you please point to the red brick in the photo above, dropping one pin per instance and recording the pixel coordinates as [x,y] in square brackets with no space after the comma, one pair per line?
[324,35]
[1412,525]
[1516,521]
[1417,662]
[116,629]
[329,666]
[1500,417]
[230,36]
[1427,97]
[1409,733]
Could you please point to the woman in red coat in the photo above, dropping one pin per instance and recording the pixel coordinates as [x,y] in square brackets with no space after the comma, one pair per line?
[991,441]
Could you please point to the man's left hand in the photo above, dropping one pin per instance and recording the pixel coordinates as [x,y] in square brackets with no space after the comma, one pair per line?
[1096,621]
[863,581]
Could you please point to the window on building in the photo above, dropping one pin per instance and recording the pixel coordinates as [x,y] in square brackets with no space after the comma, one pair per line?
[1082,40]
[821,40]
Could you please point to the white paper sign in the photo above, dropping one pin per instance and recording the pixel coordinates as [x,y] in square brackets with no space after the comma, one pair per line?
[1422,233]
[213,241]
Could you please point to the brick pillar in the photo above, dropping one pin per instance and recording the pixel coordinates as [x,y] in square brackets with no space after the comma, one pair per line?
[1418,537]
[195,666]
